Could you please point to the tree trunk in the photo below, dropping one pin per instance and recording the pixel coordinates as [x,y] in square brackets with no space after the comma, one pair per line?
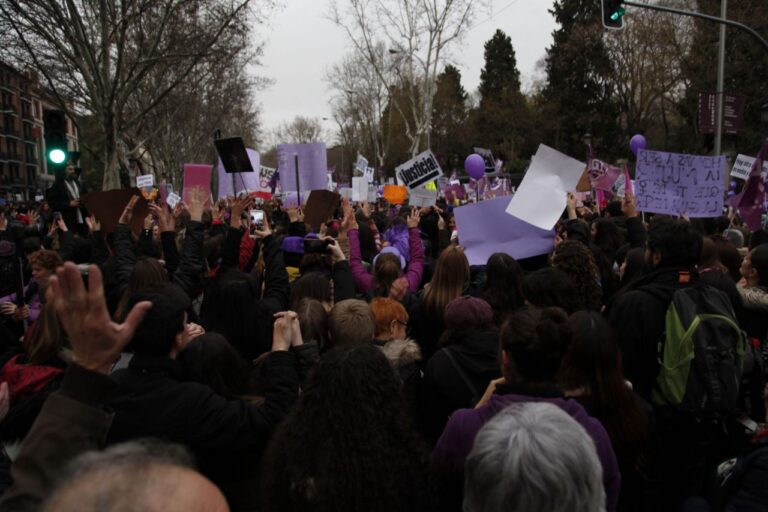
[111,163]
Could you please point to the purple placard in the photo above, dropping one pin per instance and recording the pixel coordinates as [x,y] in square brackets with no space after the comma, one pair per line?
[485,228]
[313,166]
[242,180]
[674,183]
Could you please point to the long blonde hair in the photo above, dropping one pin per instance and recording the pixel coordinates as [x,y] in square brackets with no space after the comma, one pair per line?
[448,282]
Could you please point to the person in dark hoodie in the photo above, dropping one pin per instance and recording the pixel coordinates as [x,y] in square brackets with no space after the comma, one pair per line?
[533,344]
[466,361]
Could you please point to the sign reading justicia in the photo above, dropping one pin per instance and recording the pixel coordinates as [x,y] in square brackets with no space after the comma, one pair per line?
[419,170]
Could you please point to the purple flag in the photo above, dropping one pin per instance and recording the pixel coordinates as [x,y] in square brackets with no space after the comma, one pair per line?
[751,201]
[602,176]
[313,166]
[485,228]
[243,181]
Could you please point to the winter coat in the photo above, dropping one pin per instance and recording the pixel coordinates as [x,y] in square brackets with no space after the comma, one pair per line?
[456,376]
[457,440]
[755,300]
[405,358]
[226,436]
[638,317]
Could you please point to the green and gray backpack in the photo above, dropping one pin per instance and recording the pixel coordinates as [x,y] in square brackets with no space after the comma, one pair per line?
[701,353]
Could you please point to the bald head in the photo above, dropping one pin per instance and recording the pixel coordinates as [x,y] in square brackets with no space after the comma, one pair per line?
[128,478]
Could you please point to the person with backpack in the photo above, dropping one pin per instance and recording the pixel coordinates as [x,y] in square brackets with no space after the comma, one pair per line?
[682,351]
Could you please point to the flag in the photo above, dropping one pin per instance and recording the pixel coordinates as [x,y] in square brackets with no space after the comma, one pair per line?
[751,201]
[627,181]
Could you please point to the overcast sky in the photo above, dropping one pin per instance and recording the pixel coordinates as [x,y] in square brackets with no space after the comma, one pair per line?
[302,44]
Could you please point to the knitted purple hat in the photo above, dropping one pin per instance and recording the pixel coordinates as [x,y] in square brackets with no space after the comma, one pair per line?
[467,312]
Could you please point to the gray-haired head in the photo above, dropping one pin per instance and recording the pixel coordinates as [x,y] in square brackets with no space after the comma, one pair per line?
[142,475]
[533,457]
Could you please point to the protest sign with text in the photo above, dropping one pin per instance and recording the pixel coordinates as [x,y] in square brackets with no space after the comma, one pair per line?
[743,166]
[418,171]
[674,183]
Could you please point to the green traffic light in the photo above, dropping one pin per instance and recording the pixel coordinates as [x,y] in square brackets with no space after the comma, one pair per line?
[57,156]
[618,13]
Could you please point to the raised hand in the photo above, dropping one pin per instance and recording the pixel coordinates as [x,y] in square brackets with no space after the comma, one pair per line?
[93,223]
[95,339]
[238,207]
[127,214]
[398,289]
[333,247]
[628,205]
[198,197]
[349,221]
[265,231]
[163,216]
[284,334]
[414,218]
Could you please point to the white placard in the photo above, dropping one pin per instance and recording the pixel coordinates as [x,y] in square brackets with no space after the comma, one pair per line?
[359,189]
[743,166]
[39,199]
[145,181]
[418,171]
[173,199]
[369,174]
[422,197]
[542,195]
[345,192]
[361,164]
[372,195]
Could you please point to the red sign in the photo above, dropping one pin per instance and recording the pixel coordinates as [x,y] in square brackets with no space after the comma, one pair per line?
[733,112]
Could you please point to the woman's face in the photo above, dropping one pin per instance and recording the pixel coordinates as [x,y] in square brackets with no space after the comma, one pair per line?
[398,329]
[40,274]
[156,233]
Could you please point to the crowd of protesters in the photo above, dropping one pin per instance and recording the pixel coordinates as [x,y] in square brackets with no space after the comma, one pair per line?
[211,363]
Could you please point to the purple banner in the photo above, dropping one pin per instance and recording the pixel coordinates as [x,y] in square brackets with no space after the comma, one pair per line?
[485,228]
[733,112]
[313,166]
[675,183]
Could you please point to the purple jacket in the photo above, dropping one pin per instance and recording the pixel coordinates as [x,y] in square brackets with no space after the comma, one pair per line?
[454,445]
[364,280]
[35,306]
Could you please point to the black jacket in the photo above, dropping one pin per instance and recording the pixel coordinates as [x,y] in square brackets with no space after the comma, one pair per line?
[58,199]
[638,317]
[445,388]
[226,436]
[190,264]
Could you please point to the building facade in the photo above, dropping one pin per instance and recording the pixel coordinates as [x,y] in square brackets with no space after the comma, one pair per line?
[23,169]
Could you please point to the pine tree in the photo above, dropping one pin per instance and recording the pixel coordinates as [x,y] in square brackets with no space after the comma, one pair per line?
[449,118]
[502,119]
[577,93]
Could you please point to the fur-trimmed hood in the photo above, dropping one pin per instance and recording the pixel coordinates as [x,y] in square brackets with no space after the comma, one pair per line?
[400,352]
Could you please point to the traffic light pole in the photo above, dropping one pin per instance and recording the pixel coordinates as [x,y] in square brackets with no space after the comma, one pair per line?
[699,15]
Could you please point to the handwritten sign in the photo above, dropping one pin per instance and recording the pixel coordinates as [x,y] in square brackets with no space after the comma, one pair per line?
[675,183]
[418,171]
[145,181]
[743,166]
[602,176]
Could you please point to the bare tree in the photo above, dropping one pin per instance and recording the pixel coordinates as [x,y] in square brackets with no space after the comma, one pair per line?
[649,62]
[302,130]
[360,102]
[418,34]
[101,54]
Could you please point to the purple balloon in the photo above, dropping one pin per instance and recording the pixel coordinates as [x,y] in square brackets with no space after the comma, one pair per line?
[475,166]
[637,142]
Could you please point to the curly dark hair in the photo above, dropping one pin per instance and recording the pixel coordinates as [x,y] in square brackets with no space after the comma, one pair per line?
[575,259]
[349,445]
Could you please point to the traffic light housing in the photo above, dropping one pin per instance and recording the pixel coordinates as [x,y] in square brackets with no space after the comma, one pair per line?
[613,12]
[56,146]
